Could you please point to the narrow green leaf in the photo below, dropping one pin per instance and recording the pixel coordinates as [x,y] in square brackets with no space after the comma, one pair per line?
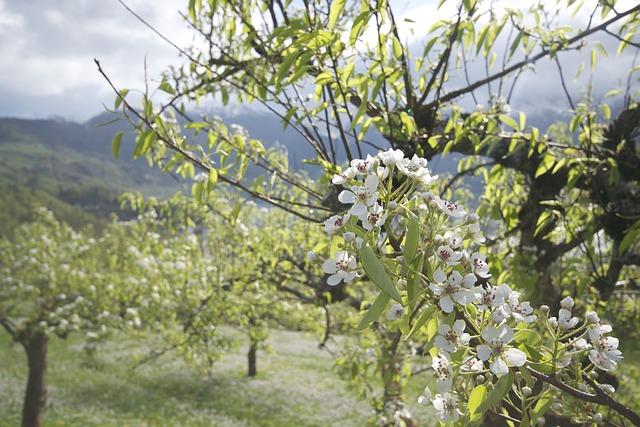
[476,397]
[542,406]
[377,273]
[334,13]
[508,121]
[499,391]
[547,162]
[213,179]
[629,238]
[413,281]
[426,315]
[376,309]
[115,144]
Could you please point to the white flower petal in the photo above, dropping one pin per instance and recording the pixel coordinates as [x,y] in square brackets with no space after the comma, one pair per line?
[515,357]
[484,352]
[499,367]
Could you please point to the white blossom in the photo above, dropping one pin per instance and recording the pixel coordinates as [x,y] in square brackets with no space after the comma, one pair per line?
[446,404]
[340,269]
[497,349]
[443,372]
[565,321]
[479,265]
[396,312]
[447,255]
[450,208]
[416,168]
[361,196]
[449,290]
[391,157]
[450,338]
[374,216]
[335,223]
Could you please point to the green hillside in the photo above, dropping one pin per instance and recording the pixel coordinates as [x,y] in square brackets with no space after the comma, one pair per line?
[68,167]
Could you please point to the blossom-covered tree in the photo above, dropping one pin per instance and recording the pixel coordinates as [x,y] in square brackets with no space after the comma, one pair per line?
[563,201]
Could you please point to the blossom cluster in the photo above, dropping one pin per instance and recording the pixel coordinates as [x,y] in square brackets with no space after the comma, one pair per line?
[392,210]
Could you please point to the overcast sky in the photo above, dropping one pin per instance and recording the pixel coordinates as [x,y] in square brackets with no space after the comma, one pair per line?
[47,50]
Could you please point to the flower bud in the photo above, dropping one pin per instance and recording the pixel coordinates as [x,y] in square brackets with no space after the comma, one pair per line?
[608,388]
[312,256]
[392,205]
[401,284]
[553,322]
[540,421]
[598,417]
[593,375]
[472,218]
[557,406]
[349,236]
[592,317]
[567,303]
[544,309]
[400,259]
[582,387]
[526,391]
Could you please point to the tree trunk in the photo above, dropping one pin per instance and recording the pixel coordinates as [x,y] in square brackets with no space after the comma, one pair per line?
[36,394]
[252,355]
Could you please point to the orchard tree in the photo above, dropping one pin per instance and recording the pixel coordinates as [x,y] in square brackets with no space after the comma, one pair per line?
[564,199]
[52,286]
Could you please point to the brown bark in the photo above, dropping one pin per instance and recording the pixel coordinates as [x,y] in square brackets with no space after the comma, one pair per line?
[36,394]
[252,359]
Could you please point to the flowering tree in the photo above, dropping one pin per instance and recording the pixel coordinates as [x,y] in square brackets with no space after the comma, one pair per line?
[564,202]
[488,356]
[52,286]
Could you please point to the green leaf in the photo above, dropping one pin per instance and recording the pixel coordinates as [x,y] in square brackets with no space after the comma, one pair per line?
[411,241]
[334,13]
[629,238]
[122,95]
[499,391]
[213,179]
[542,406]
[166,87]
[144,142]
[508,121]
[377,272]
[376,309]
[115,144]
[547,162]
[476,397]
[413,281]
[527,336]
[426,315]
[287,62]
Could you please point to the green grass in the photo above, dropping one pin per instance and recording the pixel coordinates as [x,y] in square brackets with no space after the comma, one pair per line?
[295,387]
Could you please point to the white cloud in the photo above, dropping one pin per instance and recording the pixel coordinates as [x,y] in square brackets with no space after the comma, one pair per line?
[48,50]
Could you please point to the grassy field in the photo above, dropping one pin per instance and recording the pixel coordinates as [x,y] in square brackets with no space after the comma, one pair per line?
[295,387]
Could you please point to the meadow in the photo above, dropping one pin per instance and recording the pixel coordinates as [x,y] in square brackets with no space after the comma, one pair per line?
[295,386]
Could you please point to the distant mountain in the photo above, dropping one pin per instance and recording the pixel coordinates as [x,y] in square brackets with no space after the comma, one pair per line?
[69,167]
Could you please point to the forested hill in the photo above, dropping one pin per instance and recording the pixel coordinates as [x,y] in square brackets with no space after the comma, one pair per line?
[69,168]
